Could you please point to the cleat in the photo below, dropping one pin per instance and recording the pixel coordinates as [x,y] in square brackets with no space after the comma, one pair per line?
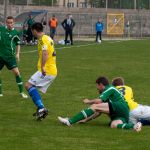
[138,126]
[41,114]
[1,95]
[64,121]
[23,95]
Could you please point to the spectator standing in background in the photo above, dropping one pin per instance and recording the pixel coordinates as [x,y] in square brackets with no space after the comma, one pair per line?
[127,25]
[53,23]
[68,25]
[24,34]
[30,22]
[99,29]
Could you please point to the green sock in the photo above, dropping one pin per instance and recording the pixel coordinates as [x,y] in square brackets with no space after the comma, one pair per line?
[125,126]
[0,86]
[20,83]
[81,115]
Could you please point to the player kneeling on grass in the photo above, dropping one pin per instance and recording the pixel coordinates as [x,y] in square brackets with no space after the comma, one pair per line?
[110,102]
[47,70]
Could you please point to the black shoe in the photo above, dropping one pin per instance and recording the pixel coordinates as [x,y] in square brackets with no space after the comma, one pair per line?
[41,114]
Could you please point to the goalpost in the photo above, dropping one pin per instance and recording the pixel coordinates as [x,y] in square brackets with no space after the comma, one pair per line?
[115,23]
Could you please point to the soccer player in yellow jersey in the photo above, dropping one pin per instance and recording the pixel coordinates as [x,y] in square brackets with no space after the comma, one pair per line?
[47,70]
[138,112]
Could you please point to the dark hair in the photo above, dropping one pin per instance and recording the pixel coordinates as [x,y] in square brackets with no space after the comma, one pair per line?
[117,81]
[37,26]
[10,17]
[102,80]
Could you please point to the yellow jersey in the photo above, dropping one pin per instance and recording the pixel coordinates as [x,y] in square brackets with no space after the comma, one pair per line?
[46,43]
[128,95]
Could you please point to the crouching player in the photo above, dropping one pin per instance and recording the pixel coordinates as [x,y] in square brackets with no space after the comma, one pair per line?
[47,70]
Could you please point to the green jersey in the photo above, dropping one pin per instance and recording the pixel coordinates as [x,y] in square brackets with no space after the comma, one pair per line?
[30,22]
[118,108]
[111,94]
[8,41]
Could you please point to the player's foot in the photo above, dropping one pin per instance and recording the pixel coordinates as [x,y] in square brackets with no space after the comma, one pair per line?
[41,114]
[138,127]
[1,95]
[64,121]
[23,95]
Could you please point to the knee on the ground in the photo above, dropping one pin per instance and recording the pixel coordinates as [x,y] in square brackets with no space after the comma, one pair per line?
[115,123]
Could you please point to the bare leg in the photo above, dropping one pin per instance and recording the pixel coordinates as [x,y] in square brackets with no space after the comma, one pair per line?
[97,114]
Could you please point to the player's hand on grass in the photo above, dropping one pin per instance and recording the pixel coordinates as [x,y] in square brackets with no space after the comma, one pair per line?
[86,101]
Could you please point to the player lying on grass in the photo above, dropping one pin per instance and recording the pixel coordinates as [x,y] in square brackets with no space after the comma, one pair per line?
[47,70]
[110,102]
[10,51]
[138,112]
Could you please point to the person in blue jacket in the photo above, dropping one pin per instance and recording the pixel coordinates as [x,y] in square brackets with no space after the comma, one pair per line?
[99,29]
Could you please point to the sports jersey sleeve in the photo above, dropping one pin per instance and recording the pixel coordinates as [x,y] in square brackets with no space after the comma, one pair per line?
[106,94]
[1,27]
[44,44]
[17,39]
[1,31]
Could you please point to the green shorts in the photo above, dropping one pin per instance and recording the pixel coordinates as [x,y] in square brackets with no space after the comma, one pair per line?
[8,61]
[119,111]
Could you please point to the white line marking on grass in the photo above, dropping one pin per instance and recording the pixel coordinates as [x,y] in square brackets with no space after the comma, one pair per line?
[68,47]
[76,46]
[115,42]
[29,51]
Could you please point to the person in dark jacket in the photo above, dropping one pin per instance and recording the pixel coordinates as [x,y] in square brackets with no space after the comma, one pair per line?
[99,29]
[68,25]
[30,22]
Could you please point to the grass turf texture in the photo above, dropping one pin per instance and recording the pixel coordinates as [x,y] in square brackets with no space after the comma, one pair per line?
[78,67]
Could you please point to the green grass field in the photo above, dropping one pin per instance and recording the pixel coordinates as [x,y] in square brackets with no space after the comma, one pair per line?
[78,68]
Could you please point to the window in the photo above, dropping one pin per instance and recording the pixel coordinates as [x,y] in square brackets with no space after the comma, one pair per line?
[70,4]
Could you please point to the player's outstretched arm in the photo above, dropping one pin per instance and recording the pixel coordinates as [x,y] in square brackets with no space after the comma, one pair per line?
[94,101]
